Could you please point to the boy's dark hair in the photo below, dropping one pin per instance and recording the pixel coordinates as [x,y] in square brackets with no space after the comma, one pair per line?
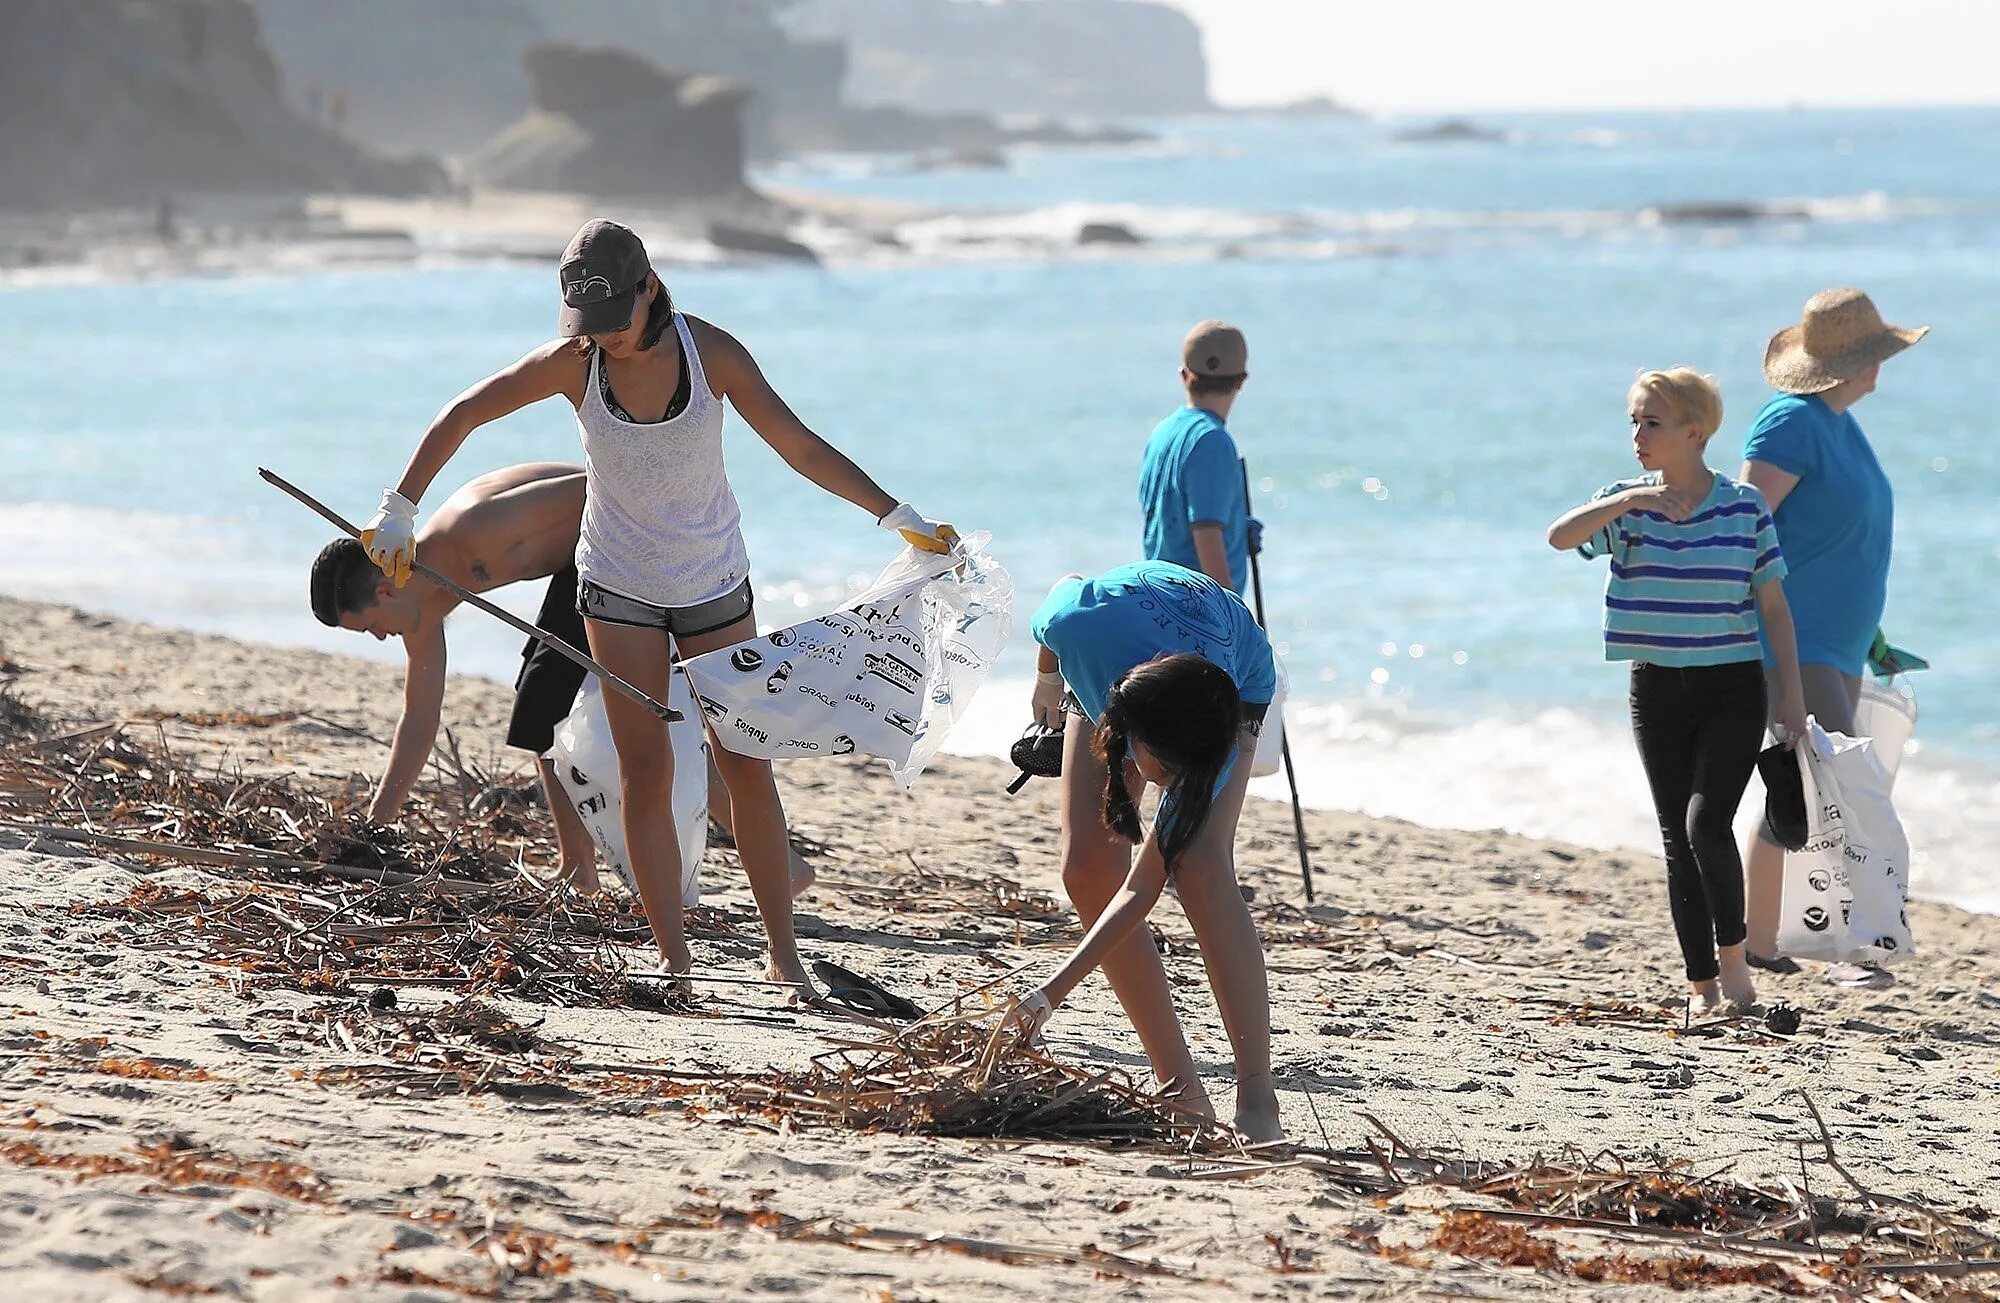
[343,581]
[1187,711]
[1203,386]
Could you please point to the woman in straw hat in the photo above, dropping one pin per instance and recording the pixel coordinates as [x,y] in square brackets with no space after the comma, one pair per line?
[1835,514]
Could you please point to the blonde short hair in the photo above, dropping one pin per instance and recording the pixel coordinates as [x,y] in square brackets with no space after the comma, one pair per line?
[1688,394]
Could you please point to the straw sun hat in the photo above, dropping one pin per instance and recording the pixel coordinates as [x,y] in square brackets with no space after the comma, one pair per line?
[1839,336]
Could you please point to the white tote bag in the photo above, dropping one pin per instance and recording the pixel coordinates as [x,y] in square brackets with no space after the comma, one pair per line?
[587,765]
[1844,893]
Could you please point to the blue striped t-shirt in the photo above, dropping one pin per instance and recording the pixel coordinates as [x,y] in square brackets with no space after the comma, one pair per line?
[1682,592]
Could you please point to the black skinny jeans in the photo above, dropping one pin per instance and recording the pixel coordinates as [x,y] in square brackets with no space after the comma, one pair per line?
[1699,732]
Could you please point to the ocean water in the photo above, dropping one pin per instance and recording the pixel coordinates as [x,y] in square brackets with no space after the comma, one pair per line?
[1441,338]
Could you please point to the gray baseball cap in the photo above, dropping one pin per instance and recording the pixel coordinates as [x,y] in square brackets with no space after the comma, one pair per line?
[601,273]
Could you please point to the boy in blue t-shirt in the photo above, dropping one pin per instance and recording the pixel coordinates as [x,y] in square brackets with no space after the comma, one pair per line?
[1190,482]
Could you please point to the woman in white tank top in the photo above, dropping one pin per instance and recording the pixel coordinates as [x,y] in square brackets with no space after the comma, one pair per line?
[661,552]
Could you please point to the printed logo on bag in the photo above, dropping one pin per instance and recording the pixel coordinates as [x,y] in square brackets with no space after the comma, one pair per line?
[817,695]
[782,638]
[896,719]
[862,701]
[713,709]
[1819,880]
[577,776]
[751,730]
[1885,943]
[842,745]
[799,744]
[594,805]
[776,683]
[746,659]
[1817,919]
[896,670]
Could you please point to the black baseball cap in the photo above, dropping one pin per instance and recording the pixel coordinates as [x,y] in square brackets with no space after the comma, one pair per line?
[601,273]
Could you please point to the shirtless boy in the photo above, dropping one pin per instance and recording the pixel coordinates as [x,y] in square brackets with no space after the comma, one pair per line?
[509,525]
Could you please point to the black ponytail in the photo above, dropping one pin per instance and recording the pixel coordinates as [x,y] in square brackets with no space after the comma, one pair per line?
[1187,711]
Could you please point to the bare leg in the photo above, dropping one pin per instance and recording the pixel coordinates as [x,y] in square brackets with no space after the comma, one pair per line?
[803,873]
[578,855]
[1233,955]
[1763,880]
[1095,862]
[758,823]
[645,778]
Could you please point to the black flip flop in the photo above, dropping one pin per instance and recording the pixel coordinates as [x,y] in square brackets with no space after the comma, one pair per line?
[863,994]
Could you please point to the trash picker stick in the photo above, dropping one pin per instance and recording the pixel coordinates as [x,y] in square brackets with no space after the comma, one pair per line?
[548,640]
[1284,736]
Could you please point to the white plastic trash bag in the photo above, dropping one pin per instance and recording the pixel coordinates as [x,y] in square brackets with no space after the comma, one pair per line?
[1887,714]
[587,764]
[886,676]
[1271,742]
[1844,893]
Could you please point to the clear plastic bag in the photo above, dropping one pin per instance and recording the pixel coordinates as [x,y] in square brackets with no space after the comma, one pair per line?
[887,675]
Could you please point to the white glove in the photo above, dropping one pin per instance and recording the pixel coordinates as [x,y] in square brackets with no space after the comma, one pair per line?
[1033,1014]
[923,535]
[391,537]
[1048,699]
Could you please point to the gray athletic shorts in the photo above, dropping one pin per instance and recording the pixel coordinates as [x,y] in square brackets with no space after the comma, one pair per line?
[595,603]
[1832,698]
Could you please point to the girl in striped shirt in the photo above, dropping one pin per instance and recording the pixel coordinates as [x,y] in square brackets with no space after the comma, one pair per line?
[1696,574]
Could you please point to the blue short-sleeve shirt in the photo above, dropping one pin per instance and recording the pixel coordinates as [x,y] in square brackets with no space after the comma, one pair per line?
[1836,526]
[1100,628]
[1190,474]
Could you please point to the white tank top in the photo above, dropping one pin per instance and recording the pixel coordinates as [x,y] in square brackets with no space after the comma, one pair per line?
[660,523]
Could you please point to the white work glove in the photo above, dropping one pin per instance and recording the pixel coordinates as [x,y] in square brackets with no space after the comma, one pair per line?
[1032,1013]
[923,535]
[391,537]
[1048,699]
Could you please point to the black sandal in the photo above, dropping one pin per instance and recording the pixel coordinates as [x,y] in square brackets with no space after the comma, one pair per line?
[863,994]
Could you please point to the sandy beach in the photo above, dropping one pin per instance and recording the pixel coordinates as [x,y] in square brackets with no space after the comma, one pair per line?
[173,1129]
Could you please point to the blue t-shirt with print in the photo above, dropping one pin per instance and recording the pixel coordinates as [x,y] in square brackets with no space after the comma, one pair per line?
[1835,526]
[1100,628]
[1190,473]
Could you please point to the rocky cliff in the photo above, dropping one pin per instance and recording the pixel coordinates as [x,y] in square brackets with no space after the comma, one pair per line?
[1094,58]
[442,76]
[605,122]
[111,103]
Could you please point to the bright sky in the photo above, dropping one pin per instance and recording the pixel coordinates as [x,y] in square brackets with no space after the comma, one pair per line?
[1415,55]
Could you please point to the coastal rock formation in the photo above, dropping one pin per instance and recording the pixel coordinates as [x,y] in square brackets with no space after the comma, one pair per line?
[107,103]
[606,122]
[445,75]
[1100,58]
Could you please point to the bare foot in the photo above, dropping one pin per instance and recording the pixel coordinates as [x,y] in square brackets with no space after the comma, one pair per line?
[1704,1000]
[802,990]
[803,875]
[1257,1109]
[1737,986]
[1190,1096]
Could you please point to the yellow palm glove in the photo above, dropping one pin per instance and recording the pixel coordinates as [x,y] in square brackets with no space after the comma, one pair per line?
[923,535]
[390,539]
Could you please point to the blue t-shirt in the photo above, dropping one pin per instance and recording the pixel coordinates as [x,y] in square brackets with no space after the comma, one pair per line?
[1189,474]
[1835,526]
[1100,628]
